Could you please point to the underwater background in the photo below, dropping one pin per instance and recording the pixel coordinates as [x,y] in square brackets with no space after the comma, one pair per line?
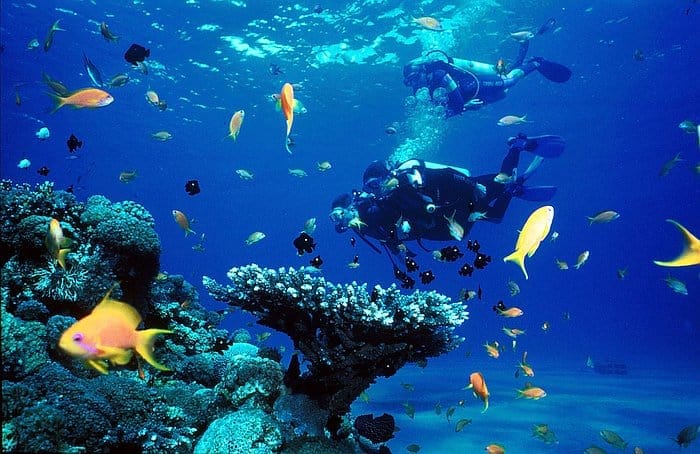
[634,81]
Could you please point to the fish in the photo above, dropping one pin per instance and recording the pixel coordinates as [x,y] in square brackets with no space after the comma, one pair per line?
[33,44]
[107,33]
[621,273]
[43,133]
[127,176]
[510,120]
[686,435]
[262,337]
[18,99]
[476,216]
[513,332]
[691,249]
[513,288]
[456,230]
[478,386]
[57,87]
[244,174]
[593,449]
[152,97]
[299,173]
[57,244]
[355,262]
[413,447]
[544,433]
[534,231]
[688,126]
[492,350]
[525,367]
[73,143]
[408,386]
[287,105]
[323,166]
[182,221]
[162,136]
[364,397]
[670,164]
[554,236]
[24,163]
[522,36]
[109,334]
[438,408]
[676,285]
[603,217]
[356,223]
[316,262]
[192,187]
[410,411]
[545,326]
[531,392]
[92,71]
[448,414]
[136,54]
[510,312]
[429,23]
[83,98]
[461,424]
[118,80]
[310,226]
[304,243]
[614,439]
[562,265]
[254,238]
[582,259]
[43,171]
[48,42]
[234,125]
[495,448]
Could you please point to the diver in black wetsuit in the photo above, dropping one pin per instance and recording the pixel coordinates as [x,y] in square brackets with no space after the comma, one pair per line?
[467,84]
[417,199]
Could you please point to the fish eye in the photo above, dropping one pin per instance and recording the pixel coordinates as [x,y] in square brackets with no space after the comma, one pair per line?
[77,337]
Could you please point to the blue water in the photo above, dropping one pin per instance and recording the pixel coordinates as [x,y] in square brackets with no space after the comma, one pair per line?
[619,116]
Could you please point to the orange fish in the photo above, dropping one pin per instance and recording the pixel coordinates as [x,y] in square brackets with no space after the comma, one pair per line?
[492,350]
[234,126]
[510,312]
[494,448]
[182,221]
[478,385]
[109,333]
[525,367]
[532,392]
[287,104]
[428,22]
[85,97]
[56,243]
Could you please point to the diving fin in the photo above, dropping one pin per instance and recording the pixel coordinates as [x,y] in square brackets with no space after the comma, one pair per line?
[536,193]
[546,146]
[553,71]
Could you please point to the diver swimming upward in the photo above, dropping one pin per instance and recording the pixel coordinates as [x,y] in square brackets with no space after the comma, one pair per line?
[461,85]
[417,200]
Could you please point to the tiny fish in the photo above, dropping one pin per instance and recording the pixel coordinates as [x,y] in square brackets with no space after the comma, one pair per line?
[622,273]
[554,236]
[429,23]
[495,448]
[603,217]
[162,136]
[262,337]
[670,164]
[410,411]
[513,288]
[614,439]
[582,259]
[511,120]
[323,166]
[310,226]
[234,125]
[413,448]
[461,424]
[127,176]
[408,386]
[244,174]
[438,408]
[299,173]
[562,265]
[254,238]
[364,397]
[448,414]
[676,285]
[522,36]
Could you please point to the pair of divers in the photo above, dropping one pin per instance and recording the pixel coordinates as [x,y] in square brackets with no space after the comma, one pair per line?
[460,85]
[418,200]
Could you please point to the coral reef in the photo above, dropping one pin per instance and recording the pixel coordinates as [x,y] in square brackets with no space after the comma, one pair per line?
[348,336]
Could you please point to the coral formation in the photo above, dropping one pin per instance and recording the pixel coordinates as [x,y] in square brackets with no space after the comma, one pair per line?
[348,336]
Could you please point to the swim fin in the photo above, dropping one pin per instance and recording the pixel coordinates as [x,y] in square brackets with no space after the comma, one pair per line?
[536,193]
[552,71]
[547,146]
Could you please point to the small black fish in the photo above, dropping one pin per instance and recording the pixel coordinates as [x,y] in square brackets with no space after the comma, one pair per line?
[411,265]
[546,26]
[473,246]
[275,70]
[356,259]
[638,55]
[192,187]
[304,243]
[43,171]
[450,253]
[136,54]
[374,296]
[408,283]
[352,241]
[69,189]
[73,143]
[466,270]
[479,292]
[426,277]
[481,260]
[499,307]
[316,262]
[318,9]
[399,274]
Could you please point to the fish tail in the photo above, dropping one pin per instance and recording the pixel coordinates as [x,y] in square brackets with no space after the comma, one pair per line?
[518,258]
[61,257]
[59,101]
[286,144]
[188,231]
[144,346]
[590,220]
[486,405]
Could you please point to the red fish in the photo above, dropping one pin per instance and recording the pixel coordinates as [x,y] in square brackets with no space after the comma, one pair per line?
[287,104]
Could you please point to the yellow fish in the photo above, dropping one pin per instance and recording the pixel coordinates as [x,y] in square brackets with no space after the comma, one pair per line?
[56,243]
[234,126]
[182,221]
[428,22]
[583,258]
[287,104]
[478,385]
[83,98]
[109,334]
[535,230]
[492,350]
[691,251]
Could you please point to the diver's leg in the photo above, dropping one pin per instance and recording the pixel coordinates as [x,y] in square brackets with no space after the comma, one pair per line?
[496,200]
[511,159]
[522,53]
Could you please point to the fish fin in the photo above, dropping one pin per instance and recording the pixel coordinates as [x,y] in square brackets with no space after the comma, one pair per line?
[278,105]
[110,307]
[188,231]
[61,257]
[116,355]
[519,259]
[486,405]
[59,101]
[144,346]
[99,365]
[691,250]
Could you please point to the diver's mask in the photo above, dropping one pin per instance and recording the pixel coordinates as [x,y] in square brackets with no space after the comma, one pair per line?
[415,179]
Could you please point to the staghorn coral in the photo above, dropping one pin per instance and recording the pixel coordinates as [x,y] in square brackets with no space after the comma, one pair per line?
[348,336]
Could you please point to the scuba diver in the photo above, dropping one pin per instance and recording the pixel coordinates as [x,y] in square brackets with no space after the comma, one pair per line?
[418,200]
[463,85]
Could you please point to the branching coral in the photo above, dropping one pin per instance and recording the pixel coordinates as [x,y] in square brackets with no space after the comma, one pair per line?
[55,283]
[348,336]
